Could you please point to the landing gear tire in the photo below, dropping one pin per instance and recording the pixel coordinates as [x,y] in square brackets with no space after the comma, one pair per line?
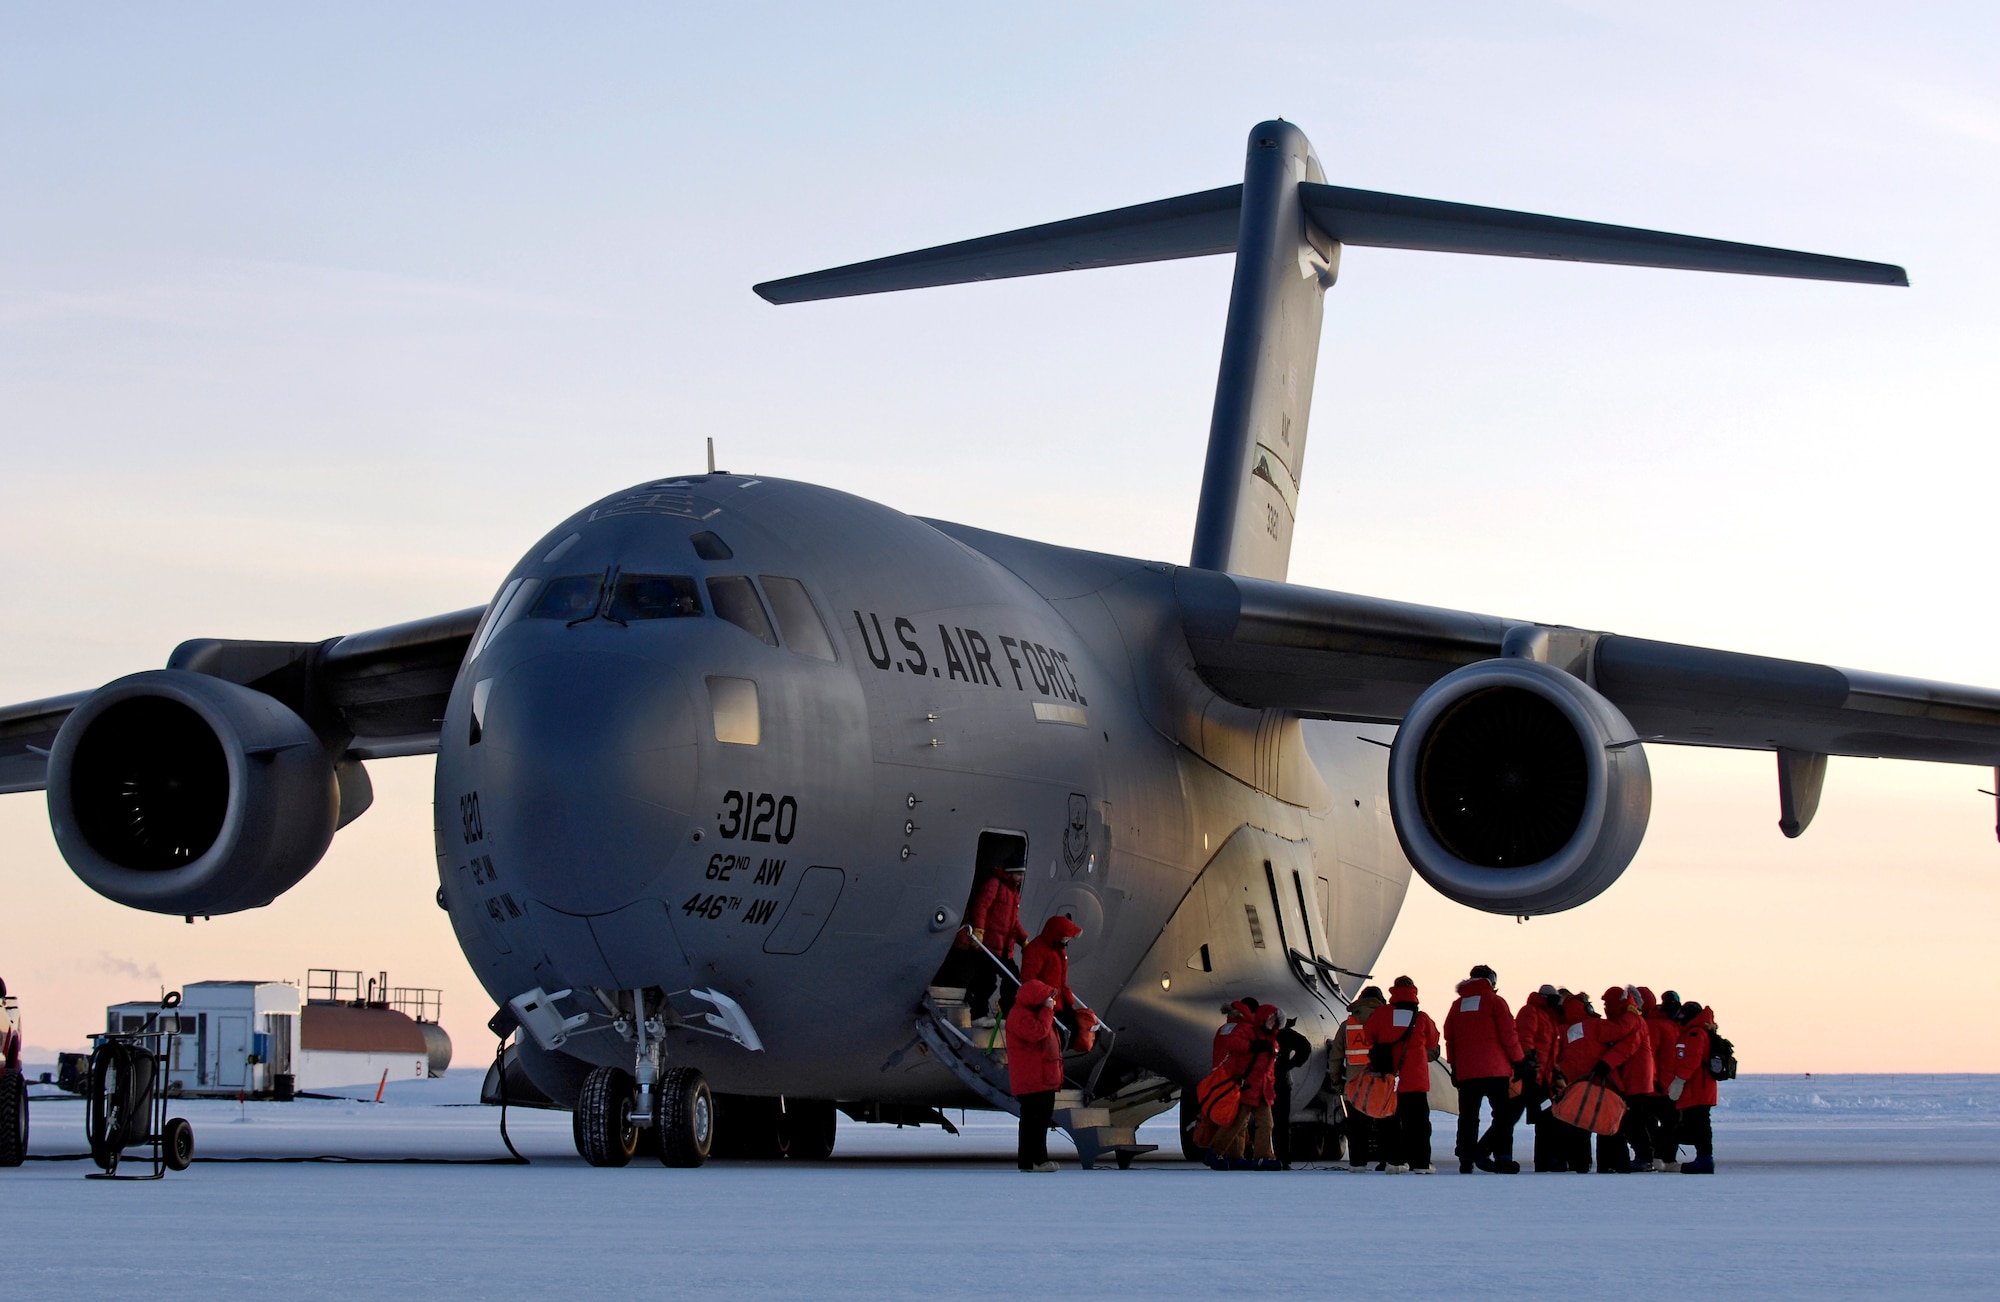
[13,1119]
[684,1115]
[1190,1114]
[747,1127]
[602,1124]
[177,1144]
[806,1130]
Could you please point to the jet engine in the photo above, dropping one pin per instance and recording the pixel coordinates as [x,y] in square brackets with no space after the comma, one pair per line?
[1517,788]
[181,793]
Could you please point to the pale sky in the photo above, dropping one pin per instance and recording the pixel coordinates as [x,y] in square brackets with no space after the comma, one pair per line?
[312,321]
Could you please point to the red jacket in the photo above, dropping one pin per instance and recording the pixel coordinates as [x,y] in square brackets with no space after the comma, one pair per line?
[1479,1035]
[996,911]
[1414,1034]
[1252,1056]
[1578,1048]
[1034,1053]
[1691,1062]
[1045,960]
[1236,1026]
[1536,1028]
[1665,1032]
[1628,1048]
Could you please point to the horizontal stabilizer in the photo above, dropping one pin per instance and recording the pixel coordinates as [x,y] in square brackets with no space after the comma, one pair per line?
[1189,226]
[1370,219]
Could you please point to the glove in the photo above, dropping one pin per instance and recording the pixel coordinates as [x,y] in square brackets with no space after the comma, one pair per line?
[1600,1073]
[1528,1068]
[1674,1090]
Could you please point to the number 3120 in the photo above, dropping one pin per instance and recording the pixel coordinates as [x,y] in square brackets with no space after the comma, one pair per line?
[758,816]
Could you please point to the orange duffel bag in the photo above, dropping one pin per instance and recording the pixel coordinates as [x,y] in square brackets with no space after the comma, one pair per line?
[1591,1106]
[1373,1094]
[1218,1099]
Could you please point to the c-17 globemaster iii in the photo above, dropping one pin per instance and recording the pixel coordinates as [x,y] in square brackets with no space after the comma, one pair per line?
[718,765]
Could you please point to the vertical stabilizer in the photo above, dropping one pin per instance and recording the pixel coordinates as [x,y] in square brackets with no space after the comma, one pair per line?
[1270,346]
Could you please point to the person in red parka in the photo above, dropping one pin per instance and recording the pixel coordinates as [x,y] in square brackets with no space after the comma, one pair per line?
[1627,1067]
[1406,1036]
[1252,1059]
[1577,1052]
[1665,1024]
[1046,959]
[994,922]
[1692,1088]
[1034,1070]
[1538,1027]
[1485,1055]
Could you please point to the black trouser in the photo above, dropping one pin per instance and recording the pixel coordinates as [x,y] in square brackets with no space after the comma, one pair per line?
[1364,1138]
[980,980]
[1571,1143]
[1281,1116]
[1548,1151]
[1641,1126]
[1411,1144]
[1666,1124]
[1697,1128]
[1037,1110]
[1498,1141]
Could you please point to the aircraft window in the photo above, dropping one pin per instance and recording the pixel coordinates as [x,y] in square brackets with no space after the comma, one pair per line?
[734,703]
[710,547]
[805,633]
[573,596]
[555,553]
[736,601]
[655,596]
[506,610]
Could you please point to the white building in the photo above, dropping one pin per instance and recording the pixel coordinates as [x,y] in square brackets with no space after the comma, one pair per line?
[235,1036]
[241,1036]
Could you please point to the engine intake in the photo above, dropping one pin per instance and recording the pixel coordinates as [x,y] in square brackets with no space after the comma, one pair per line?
[1517,788]
[180,793]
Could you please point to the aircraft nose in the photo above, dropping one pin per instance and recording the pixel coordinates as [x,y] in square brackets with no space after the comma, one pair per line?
[590,779]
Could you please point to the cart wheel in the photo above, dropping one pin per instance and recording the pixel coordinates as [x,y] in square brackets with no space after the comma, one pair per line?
[177,1143]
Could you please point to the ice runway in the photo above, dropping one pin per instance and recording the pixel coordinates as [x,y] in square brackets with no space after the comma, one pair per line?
[1851,1186]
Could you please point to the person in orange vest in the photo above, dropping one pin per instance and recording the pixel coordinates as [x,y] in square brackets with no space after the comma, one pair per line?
[1403,1037]
[1361,1132]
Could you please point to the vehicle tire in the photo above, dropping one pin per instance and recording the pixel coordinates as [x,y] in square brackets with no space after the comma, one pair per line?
[13,1119]
[806,1129]
[602,1123]
[177,1144]
[1190,1113]
[684,1114]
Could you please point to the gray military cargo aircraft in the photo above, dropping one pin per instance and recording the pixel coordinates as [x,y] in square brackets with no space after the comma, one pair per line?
[718,765]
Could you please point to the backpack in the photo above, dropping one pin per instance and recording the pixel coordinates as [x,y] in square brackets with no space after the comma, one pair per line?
[1721,1062]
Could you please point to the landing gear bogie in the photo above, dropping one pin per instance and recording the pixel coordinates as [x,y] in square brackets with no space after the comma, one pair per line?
[13,1118]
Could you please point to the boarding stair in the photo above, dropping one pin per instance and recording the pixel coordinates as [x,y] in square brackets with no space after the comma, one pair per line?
[977,1056]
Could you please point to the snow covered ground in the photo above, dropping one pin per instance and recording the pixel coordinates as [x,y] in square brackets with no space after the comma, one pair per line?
[1843,1185]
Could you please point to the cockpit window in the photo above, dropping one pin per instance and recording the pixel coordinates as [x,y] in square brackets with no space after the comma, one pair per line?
[804,633]
[735,600]
[654,596]
[572,597]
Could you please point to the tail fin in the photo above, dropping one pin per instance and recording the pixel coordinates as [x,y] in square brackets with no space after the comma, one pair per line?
[1286,227]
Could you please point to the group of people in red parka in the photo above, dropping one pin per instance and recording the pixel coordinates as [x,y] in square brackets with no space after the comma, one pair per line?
[1654,1053]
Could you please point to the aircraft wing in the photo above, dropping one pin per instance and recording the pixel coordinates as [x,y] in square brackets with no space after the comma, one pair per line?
[378,693]
[1339,656]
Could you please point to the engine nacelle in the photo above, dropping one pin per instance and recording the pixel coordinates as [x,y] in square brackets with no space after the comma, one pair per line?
[1517,788]
[180,793]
